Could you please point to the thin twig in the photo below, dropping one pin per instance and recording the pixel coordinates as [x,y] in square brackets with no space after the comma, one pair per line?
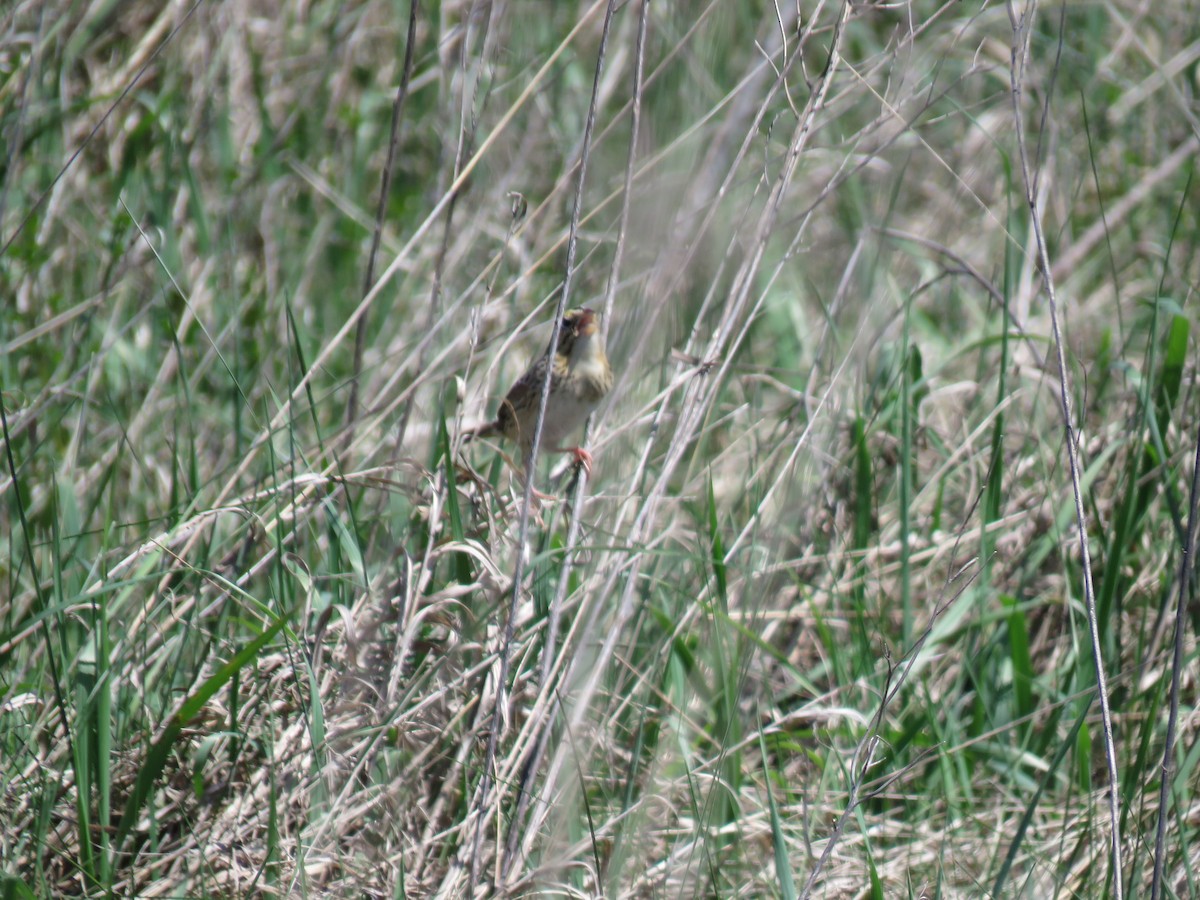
[586,668]
[549,649]
[467,133]
[385,187]
[966,268]
[614,278]
[486,778]
[1021,26]
[864,755]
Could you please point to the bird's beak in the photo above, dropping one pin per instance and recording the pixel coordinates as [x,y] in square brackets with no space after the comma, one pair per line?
[587,323]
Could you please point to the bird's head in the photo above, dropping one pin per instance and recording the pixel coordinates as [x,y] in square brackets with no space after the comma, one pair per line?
[580,332]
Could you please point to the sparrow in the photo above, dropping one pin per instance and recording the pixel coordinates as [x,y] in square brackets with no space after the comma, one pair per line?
[580,378]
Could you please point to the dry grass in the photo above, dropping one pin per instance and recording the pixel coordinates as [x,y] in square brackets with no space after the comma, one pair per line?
[819,626]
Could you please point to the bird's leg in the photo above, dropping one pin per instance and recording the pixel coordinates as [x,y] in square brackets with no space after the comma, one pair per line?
[582,457]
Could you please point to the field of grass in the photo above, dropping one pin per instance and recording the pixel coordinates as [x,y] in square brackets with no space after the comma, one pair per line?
[880,585]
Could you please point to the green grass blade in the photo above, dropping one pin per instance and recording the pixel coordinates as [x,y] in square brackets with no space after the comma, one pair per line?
[783,864]
[160,749]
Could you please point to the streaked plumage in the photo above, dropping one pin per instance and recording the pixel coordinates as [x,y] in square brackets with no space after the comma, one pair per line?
[580,379]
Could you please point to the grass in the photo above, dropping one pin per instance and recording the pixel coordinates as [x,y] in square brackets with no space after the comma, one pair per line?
[817,625]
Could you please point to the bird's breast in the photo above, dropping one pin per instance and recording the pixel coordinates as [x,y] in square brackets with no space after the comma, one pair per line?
[591,379]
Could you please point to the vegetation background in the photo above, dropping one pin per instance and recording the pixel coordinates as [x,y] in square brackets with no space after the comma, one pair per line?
[818,624]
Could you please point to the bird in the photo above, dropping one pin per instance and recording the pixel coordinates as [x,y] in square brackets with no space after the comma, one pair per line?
[581,377]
